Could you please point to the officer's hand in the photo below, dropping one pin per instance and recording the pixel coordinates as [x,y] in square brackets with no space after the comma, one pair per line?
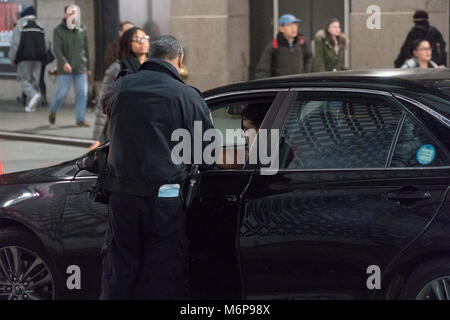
[89,73]
[13,63]
[94,145]
[67,68]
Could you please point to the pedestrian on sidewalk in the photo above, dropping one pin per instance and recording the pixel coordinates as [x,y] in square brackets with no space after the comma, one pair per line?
[330,48]
[133,51]
[289,53]
[112,50]
[27,51]
[424,31]
[70,45]
[420,56]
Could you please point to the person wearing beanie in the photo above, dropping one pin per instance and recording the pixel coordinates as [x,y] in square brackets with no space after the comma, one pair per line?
[423,30]
[27,51]
[29,11]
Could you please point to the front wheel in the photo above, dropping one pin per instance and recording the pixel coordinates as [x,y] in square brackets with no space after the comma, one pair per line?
[25,272]
[430,281]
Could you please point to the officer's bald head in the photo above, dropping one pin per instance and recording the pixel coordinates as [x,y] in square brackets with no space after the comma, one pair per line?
[167,48]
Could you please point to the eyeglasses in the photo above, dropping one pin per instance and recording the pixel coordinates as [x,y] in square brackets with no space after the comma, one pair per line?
[143,39]
[424,49]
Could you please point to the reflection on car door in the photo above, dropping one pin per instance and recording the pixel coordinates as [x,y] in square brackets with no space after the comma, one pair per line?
[83,229]
[349,194]
[213,221]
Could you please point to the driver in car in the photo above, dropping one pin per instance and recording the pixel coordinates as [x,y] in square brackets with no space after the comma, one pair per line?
[252,118]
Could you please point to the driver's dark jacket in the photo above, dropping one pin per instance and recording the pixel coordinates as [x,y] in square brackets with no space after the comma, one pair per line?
[144,109]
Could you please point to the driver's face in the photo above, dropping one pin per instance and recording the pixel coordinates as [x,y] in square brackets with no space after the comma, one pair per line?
[247,124]
[249,131]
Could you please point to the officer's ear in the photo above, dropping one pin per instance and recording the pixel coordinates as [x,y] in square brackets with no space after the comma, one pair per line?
[180,61]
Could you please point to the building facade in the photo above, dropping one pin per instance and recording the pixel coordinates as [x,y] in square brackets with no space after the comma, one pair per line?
[224,38]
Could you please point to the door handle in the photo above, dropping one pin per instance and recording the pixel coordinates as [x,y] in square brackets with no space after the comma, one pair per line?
[407,195]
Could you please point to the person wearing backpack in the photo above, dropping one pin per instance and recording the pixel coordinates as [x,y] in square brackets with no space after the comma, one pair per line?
[423,30]
[289,53]
[27,51]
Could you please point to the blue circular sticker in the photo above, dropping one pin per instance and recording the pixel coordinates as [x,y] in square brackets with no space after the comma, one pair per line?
[426,154]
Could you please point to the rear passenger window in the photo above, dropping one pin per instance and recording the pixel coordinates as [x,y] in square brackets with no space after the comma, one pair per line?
[415,148]
[338,130]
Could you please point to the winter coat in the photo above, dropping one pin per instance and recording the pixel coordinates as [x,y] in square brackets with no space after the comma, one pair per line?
[101,120]
[144,109]
[15,42]
[129,65]
[325,57]
[285,60]
[413,63]
[71,46]
[423,30]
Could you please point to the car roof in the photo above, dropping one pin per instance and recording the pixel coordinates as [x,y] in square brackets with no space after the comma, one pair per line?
[394,79]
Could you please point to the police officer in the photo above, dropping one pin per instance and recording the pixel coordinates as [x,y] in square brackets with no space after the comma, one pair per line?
[146,246]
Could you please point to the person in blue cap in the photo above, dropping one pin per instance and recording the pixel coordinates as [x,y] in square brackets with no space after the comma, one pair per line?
[289,53]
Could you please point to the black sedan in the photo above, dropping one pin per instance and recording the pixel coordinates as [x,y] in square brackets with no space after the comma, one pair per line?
[358,208]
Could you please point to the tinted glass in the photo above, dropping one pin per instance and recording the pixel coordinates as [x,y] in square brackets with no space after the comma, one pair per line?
[415,148]
[439,101]
[437,129]
[333,130]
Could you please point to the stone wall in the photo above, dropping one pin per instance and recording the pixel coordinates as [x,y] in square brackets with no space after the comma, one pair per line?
[379,48]
[215,34]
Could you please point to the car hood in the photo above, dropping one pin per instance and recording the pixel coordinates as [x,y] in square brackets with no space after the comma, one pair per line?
[63,171]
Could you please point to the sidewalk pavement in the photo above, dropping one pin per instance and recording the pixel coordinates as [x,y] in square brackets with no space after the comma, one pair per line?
[13,118]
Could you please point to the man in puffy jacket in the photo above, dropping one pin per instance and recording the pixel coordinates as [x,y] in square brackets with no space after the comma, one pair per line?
[27,51]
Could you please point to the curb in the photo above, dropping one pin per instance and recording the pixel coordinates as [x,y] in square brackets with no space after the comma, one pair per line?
[24,136]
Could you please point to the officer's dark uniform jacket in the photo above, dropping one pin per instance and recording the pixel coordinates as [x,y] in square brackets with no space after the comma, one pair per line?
[144,109]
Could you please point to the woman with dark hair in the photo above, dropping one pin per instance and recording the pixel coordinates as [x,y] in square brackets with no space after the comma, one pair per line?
[420,55]
[330,48]
[134,46]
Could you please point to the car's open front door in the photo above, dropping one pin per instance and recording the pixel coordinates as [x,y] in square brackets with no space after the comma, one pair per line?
[213,226]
